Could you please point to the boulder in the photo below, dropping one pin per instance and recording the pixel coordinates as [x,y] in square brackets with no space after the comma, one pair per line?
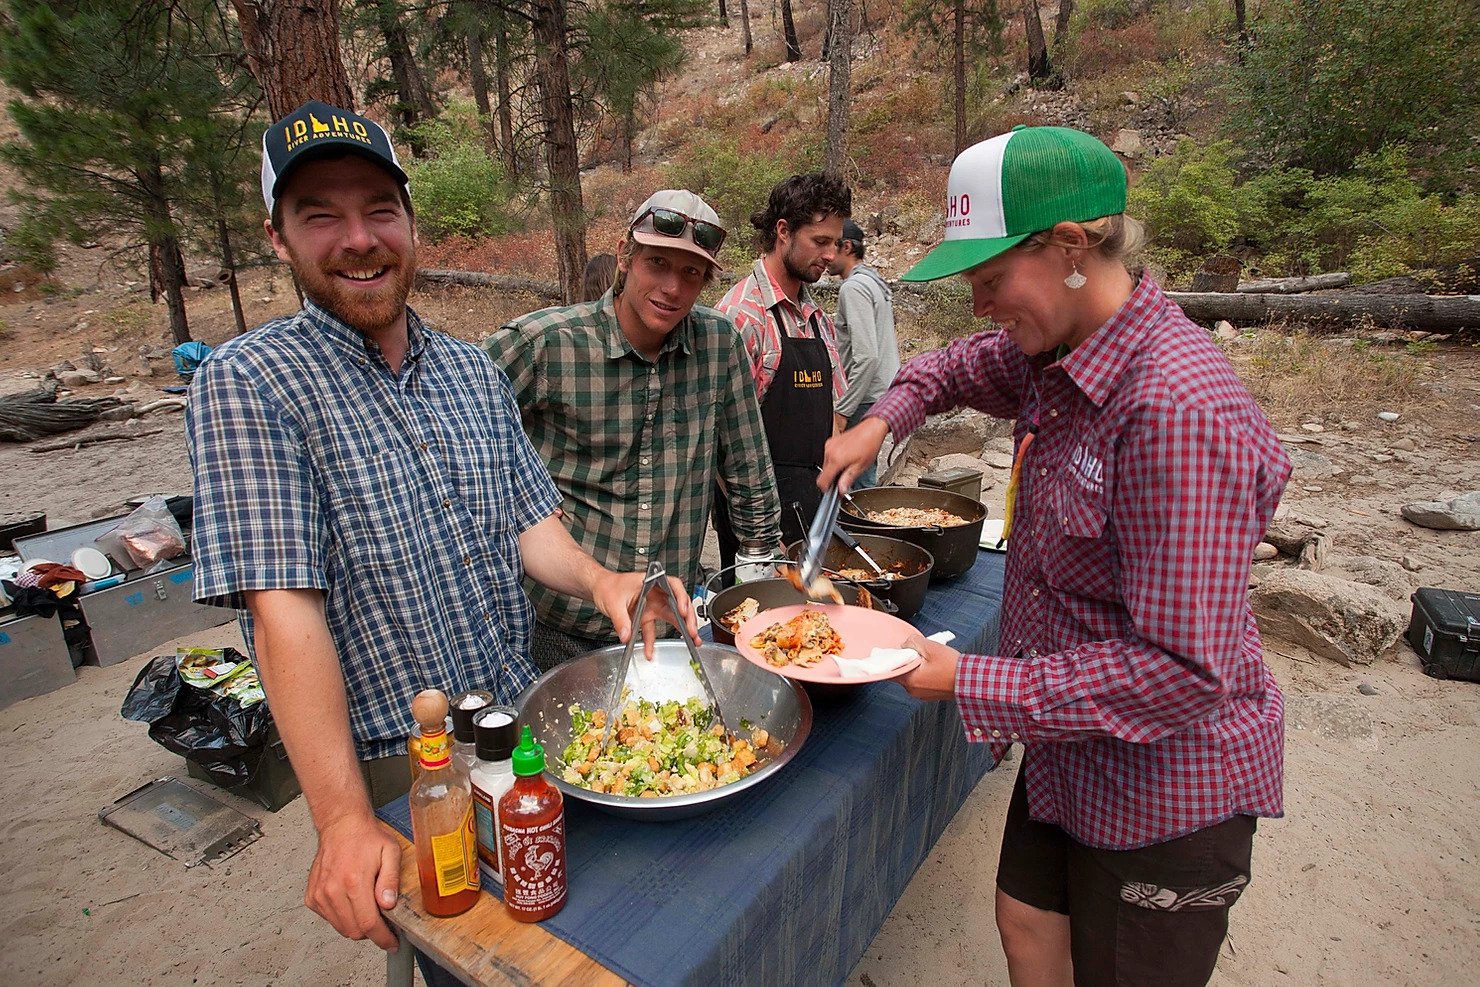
[1462,513]
[1350,623]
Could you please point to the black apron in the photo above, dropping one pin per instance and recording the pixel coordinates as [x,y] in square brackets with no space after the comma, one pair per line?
[798,415]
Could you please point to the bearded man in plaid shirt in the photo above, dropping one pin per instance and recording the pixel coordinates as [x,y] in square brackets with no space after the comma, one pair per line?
[638,402]
[364,494]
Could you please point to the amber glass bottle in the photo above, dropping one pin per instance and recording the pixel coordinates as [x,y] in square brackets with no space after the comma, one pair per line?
[532,815]
[441,802]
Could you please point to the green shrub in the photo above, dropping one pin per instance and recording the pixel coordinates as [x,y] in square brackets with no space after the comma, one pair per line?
[1190,202]
[1327,81]
[459,189]
[737,180]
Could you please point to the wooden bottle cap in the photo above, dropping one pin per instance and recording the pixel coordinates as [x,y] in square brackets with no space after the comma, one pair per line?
[429,708]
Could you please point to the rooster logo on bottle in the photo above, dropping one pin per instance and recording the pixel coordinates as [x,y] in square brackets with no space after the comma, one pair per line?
[537,865]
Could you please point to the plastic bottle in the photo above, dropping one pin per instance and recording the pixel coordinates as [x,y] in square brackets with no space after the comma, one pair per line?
[532,815]
[465,705]
[441,801]
[496,732]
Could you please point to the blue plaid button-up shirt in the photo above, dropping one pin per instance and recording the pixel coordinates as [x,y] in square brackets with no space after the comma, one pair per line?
[400,496]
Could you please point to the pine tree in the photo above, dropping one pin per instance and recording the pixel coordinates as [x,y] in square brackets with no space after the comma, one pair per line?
[116,98]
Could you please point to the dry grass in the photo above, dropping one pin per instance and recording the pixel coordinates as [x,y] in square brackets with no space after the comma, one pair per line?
[1300,377]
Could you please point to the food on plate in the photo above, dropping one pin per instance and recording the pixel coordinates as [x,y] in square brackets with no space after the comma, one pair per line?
[748,608]
[657,749]
[916,517]
[820,588]
[803,640]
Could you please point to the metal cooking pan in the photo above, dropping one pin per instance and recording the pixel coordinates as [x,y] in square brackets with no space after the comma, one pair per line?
[954,548]
[910,561]
[769,593]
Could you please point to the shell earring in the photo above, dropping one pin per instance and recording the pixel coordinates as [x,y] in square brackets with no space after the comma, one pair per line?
[1076,280]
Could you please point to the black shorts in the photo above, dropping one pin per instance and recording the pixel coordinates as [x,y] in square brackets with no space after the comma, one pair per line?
[1156,915]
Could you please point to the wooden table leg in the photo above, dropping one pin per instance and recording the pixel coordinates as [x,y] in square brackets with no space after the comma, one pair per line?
[398,965]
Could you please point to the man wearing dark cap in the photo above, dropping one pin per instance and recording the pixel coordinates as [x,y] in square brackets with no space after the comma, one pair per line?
[637,402]
[790,340]
[867,347]
[365,496]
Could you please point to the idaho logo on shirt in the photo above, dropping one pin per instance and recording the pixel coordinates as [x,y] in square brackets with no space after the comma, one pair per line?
[806,378]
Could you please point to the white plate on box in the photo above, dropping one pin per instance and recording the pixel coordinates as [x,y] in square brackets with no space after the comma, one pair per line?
[991,535]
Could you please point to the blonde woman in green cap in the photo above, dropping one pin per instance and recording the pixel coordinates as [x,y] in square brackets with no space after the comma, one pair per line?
[1129,665]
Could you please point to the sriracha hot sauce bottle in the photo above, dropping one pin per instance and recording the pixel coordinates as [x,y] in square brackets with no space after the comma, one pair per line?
[532,815]
[441,802]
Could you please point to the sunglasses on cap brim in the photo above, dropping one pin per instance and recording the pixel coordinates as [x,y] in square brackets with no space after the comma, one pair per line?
[669,222]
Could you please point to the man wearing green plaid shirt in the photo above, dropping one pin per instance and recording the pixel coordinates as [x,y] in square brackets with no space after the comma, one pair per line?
[638,402]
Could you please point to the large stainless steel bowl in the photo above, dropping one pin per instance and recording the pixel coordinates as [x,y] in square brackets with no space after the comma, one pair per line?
[745,691]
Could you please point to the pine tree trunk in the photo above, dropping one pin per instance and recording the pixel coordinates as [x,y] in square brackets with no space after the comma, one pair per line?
[1061,23]
[745,26]
[228,264]
[1040,69]
[292,50]
[505,98]
[561,153]
[789,29]
[1240,21]
[959,74]
[839,94]
[166,262]
[724,15]
[478,82]
[414,102]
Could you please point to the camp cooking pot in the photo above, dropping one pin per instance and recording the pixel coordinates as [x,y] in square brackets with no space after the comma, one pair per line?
[954,548]
[770,594]
[910,561]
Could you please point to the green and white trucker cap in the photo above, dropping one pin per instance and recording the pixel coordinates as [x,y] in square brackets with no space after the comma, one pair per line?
[1005,189]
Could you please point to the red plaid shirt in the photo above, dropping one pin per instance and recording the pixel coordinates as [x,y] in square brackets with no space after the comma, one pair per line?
[1132,670]
[762,312]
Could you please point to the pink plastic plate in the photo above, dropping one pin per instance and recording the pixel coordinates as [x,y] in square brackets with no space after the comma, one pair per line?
[862,631]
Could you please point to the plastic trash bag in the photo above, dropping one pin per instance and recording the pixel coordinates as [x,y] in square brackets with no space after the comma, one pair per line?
[188,357]
[149,535]
[215,731]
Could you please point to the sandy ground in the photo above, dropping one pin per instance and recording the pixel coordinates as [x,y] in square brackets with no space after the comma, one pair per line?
[1368,880]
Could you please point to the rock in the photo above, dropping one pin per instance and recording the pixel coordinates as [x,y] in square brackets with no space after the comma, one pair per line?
[999,460]
[1224,329]
[1127,143]
[1405,444]
[122,413]
[1264,551]
[75,378]
[1000,443]
[1381,457]
[1388,416]
[1410,563]
[1350,623]
[1462,513]
[1312,465]
[1367,689]
[1389,577]
[1299,537]
[1315,427]
[113,380]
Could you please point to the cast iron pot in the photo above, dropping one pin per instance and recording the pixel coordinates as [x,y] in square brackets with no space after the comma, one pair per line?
[911,561]
[954,548]
[770,594]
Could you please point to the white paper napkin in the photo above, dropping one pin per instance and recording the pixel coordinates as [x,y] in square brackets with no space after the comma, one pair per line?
[881,660]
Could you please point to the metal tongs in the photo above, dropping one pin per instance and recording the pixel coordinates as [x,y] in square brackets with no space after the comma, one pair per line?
[656,576]
[817,538]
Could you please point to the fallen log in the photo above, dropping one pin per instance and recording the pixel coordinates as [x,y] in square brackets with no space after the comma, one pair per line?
[92,440]
[503,282]
[1432,313]
[1294,286]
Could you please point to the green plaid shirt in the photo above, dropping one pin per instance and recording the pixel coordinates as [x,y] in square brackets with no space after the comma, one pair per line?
[635,446]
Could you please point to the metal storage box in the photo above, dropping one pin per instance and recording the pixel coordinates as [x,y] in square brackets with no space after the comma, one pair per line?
[1445,631]
[140,613]
[145,611]
[33,658]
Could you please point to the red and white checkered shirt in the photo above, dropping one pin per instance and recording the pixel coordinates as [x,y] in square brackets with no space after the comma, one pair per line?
[761,313]
[1131,667]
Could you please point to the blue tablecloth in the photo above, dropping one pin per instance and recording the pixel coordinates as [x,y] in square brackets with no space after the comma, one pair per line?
[791,882]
